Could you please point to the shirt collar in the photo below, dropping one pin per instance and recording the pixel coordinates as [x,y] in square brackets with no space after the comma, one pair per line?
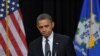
[50,38]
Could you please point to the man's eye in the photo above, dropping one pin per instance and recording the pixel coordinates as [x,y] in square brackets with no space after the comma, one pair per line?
[40,27]
[47,26]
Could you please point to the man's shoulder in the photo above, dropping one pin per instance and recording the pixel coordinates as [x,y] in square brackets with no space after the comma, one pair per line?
[36,41]
[61,36]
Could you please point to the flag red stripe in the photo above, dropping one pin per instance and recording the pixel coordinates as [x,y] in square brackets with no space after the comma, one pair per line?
[13,41]
[22,36]
[4,46]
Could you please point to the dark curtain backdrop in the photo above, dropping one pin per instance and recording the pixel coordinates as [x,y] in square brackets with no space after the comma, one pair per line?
[65,14]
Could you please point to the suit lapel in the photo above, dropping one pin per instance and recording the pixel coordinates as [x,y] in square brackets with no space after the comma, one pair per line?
[55,45]
[40,48]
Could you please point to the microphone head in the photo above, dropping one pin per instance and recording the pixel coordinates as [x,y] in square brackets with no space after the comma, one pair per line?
[57,43]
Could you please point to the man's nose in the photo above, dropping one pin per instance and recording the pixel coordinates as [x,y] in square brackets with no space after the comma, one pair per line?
[44,29]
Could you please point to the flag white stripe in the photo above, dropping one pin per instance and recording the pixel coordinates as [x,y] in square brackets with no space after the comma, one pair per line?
[10,46]
[19,20]
[2,53]
[17,37]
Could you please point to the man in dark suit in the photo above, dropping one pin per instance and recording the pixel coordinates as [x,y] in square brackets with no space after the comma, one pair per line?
[50,43]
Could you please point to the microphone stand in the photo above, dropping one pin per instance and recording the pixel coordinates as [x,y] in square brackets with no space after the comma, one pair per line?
[49,53]
[55,54]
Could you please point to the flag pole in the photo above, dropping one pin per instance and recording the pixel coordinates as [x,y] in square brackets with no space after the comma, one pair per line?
[6,18]
[91,38]
[90,8]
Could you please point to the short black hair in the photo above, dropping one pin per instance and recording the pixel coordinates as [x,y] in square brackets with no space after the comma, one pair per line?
[43,16]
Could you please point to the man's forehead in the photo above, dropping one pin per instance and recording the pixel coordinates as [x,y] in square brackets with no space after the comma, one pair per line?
[44,21]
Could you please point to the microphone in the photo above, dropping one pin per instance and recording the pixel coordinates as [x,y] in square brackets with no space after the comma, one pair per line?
[49,53]
[55,52]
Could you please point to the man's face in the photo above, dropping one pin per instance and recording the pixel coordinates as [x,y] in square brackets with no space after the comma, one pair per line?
[45,27]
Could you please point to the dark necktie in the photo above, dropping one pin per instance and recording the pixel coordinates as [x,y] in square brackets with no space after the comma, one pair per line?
[47,48]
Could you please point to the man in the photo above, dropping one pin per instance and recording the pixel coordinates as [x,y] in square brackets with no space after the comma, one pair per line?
[50,43]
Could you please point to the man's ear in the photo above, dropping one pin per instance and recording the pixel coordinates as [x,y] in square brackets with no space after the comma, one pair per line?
[53,24]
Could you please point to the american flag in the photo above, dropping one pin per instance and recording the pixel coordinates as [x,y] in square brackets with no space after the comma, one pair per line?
[12,34]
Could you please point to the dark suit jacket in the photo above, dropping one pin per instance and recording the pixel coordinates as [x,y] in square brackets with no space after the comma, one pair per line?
[61,46]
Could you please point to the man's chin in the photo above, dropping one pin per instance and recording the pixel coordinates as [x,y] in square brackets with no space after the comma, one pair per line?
[45,35]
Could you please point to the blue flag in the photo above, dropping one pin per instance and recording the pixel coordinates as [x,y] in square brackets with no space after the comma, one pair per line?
[87,37]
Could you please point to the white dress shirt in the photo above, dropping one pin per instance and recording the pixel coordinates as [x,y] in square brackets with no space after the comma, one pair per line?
[50,38]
